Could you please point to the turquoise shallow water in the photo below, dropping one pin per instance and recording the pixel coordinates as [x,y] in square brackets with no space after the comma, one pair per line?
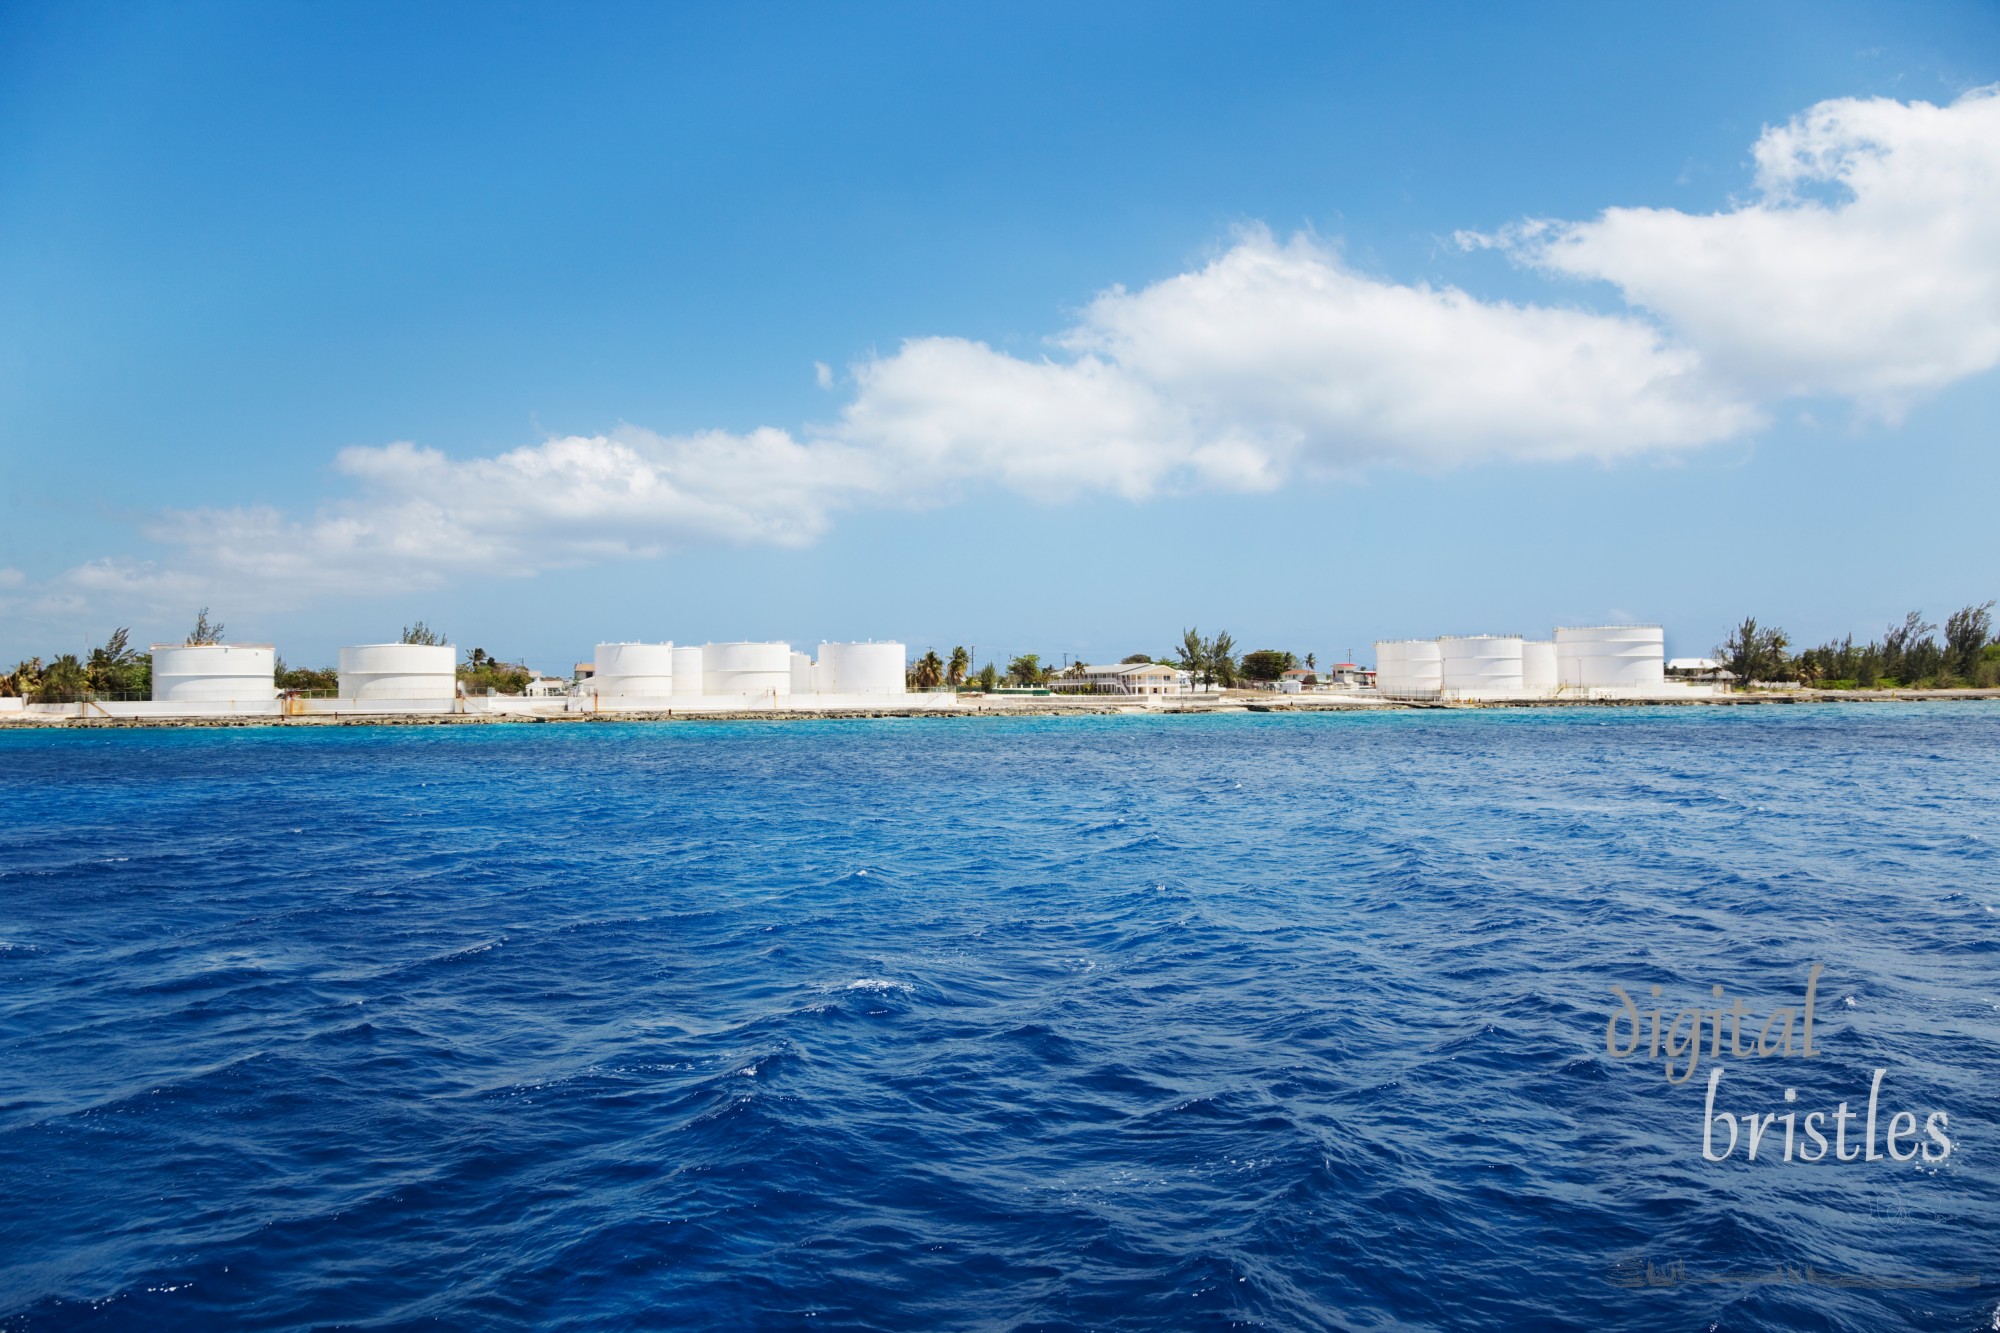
[1246,1021]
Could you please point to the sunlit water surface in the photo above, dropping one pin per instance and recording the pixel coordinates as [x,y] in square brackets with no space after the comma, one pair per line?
[1250,1021]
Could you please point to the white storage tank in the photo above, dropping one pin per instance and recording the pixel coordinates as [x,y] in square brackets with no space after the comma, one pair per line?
[1388,666]
[421,671]
[746,668]
[802,674]
[1481,664]
[236,672]
[1538,665]
[862,668]
[687,671]
[1611,657]
[1416,668]
[634,669]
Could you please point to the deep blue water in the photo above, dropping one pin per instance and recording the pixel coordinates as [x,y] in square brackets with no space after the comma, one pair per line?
[1250,1021]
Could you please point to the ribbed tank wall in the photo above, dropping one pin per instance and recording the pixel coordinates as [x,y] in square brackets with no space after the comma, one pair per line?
[1538,664]
[634,669]
[1413,667]
[189,672]
[1623,657]
[746,668]
[1480,663]
[802,674]
[399,671]
[687,671]
[862,668]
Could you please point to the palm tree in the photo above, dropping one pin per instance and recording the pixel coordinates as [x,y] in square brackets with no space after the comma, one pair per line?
[961,662]
[65,682]
[23,681]
[117,668]
[928,673]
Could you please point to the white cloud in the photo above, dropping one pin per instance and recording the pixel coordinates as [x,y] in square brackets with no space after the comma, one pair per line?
[1285,350]
[420,516]
[1867,266]
[1273,358]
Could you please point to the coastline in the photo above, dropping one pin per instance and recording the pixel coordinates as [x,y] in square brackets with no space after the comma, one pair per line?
[980,707]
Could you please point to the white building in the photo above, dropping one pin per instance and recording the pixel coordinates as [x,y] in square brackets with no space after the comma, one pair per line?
[1698,668]
[1129,678]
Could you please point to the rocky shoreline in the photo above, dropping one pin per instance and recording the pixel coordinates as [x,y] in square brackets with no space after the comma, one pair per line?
[989,708]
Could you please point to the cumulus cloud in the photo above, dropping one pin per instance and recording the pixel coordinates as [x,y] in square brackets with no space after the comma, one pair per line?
[1283,349]
[1866,266]
[420,517]
[1273,358]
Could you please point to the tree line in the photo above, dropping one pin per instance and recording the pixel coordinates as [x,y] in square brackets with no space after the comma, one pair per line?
[1910,655]
[116,670]
[112,670]
[1208,660]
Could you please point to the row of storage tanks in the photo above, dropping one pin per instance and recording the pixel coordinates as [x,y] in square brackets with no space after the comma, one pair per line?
[1627,659]
[665,670]
[419,672]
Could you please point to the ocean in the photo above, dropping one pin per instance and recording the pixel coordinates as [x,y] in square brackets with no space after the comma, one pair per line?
[1250,1021]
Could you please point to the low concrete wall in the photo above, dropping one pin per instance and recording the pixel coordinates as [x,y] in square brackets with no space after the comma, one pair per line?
[761,702]
[363,707]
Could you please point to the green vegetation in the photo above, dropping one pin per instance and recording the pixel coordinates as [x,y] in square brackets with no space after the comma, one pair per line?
[115,670]
[65,682]
[1755,652]
[482,673]
[1267,664]
[989,677]
[1208,661]
[927,672]
[306,680]
[424,634]
[23,680]
[1908,655]
[961,662]
[203,632]
[1027,670]
[119,671]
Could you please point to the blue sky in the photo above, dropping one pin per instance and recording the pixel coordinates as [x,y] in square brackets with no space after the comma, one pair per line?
[1347,392]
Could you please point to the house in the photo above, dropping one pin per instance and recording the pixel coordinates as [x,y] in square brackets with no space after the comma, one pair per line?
[1348,676]
[1134,678]
[1700,669]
